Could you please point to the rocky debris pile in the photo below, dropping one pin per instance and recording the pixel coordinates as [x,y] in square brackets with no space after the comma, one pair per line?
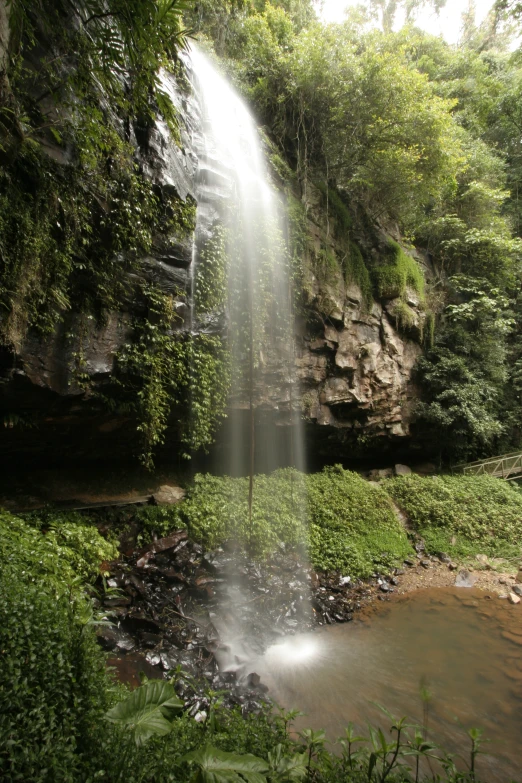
[175,607]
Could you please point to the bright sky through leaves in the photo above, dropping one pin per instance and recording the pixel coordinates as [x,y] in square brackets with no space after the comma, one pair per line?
[448,23]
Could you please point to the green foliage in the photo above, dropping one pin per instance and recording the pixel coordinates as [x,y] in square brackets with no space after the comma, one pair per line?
[217,766]
[464,373]
[402,271]
[57,548]
[352,524]
[345,522]
[148,711]
[462,515]
[53,683]
[212,273]
[162,370]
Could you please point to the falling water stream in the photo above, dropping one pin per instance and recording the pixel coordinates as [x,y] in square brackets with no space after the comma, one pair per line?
[237,197]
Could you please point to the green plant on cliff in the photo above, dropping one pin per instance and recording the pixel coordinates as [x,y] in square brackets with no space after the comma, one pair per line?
[401,271]
[77,76]
[163,372]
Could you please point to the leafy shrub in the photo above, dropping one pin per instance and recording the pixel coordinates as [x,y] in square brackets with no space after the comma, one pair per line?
[462,515]
[53,681]
[345,522]
[352,524]
[58,548]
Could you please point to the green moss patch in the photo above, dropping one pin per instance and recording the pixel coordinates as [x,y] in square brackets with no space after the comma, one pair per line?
[401,271]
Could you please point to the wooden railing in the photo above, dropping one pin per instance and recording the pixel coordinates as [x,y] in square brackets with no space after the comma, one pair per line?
[507,467]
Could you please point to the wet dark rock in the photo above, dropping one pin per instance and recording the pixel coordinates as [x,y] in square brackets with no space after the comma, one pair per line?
[444,558]
[394,581]
[384,588]
[115,639]
[117,600]
[161,545]
[517,589]
[150,639]
[409,563]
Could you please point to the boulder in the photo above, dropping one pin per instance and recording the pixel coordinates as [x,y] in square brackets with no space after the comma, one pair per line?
[402,470]
[465,579]
[168,495]
[161,545]
[379,475]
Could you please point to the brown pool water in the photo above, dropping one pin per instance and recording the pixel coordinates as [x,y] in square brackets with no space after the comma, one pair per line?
[464,645]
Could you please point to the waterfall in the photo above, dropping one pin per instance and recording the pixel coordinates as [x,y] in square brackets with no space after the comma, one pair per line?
[235,192]
[238,202]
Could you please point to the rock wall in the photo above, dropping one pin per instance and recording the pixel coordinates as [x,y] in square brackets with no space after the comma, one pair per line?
[353,365]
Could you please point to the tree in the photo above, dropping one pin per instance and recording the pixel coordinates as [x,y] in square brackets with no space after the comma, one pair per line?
[386,10]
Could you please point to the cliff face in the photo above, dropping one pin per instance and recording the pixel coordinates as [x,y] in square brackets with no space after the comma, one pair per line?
[353,364]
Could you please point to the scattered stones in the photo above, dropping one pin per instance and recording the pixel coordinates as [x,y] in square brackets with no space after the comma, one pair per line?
[425,563]
[465,579]
[514,599]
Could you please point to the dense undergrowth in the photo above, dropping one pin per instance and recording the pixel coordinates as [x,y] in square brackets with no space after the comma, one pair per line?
[346,523]
[338,518]
[462,515]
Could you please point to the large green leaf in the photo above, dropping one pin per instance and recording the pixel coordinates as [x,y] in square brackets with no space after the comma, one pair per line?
[217,766]
[148,711]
